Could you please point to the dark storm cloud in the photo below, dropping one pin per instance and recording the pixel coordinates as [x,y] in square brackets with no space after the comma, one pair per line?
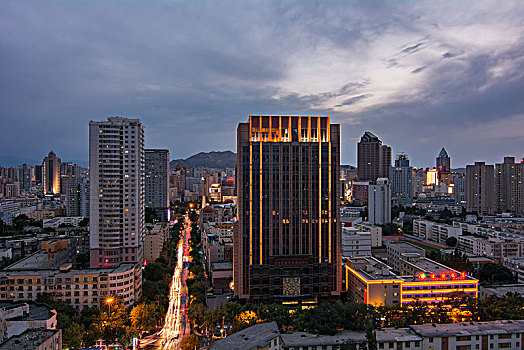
[192,70]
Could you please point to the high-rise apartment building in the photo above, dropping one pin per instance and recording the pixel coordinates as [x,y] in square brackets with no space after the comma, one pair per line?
[509,186]
[25,176]
[77,199]
[38,174]
[379,202]
[287,241]
[401,176]
[374,158]
[157,181]
[69,174]
[116,173]
[460,191]
[51,174]
[443,161]
[480,189]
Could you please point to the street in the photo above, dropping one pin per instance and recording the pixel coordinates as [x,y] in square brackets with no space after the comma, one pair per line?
[176,326]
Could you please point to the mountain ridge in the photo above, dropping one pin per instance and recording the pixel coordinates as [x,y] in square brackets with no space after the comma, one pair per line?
[213,159]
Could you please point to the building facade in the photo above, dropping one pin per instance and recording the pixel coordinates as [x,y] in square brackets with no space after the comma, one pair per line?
[116,165]
[509,182]
[374,158]
[401,176]
[480,189]
[443,161]
[77,199]
[157,181]
[379,202]
[51,174]
[287,238]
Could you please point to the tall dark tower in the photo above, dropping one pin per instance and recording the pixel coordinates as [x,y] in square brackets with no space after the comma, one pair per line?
[443,161]
[374,159]
[287,242]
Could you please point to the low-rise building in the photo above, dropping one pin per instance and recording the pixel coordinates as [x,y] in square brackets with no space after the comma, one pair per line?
[44,273]
[516,265]
[472,335]
[35,339]
[507,334]
[376,232]
[264,336]
[402,251]
[372,282]
[435,232]
[355,243]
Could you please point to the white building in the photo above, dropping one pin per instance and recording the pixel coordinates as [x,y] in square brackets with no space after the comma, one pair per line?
[379,202]
[376,232]
[355,243]
[116,165]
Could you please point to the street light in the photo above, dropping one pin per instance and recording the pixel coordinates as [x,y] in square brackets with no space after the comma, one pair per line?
[109,301]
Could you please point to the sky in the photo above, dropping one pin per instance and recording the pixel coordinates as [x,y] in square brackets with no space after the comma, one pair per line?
[419,74]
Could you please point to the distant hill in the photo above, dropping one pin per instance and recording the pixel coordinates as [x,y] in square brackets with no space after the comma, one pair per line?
[219,160]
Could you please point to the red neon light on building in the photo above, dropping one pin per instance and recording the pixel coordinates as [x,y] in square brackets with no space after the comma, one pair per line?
[443,276]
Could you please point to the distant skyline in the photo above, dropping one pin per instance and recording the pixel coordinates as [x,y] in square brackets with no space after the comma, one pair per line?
[421,75]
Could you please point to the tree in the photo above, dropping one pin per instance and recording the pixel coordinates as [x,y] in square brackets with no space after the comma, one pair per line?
[451,241]
[197,313]
[190,343]
[371,336]
[494,273]
[84,222]
[144,316]
[72,335]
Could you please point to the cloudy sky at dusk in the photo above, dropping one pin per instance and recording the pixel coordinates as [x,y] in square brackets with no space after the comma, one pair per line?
[420,75]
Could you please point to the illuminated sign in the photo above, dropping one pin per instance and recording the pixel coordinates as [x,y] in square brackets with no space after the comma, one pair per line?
[443,276]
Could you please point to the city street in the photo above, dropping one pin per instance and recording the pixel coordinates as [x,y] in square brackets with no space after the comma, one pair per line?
[176,326]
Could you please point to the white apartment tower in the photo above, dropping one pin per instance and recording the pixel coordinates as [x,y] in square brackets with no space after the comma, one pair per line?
[379,202]
[116,171]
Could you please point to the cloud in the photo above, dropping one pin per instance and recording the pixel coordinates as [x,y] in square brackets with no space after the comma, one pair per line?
[417,74]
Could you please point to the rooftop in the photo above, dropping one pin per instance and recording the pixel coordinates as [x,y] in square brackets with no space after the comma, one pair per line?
[30,339]
[222,266]
[30,270]
[471,328]
[500,291]
[254,337]
[371,269]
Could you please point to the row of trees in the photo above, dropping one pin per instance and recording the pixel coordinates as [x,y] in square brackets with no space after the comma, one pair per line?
[330,318]
[113,322]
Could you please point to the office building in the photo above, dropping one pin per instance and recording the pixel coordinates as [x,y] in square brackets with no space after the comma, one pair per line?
[480,189]
[157,181]
[374,158]
[116,200]
[287,238]
[51,174]
[443,161]
[379,202]
[509,182]
[401,176]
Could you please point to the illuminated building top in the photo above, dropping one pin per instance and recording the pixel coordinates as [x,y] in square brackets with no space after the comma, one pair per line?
[289,128]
